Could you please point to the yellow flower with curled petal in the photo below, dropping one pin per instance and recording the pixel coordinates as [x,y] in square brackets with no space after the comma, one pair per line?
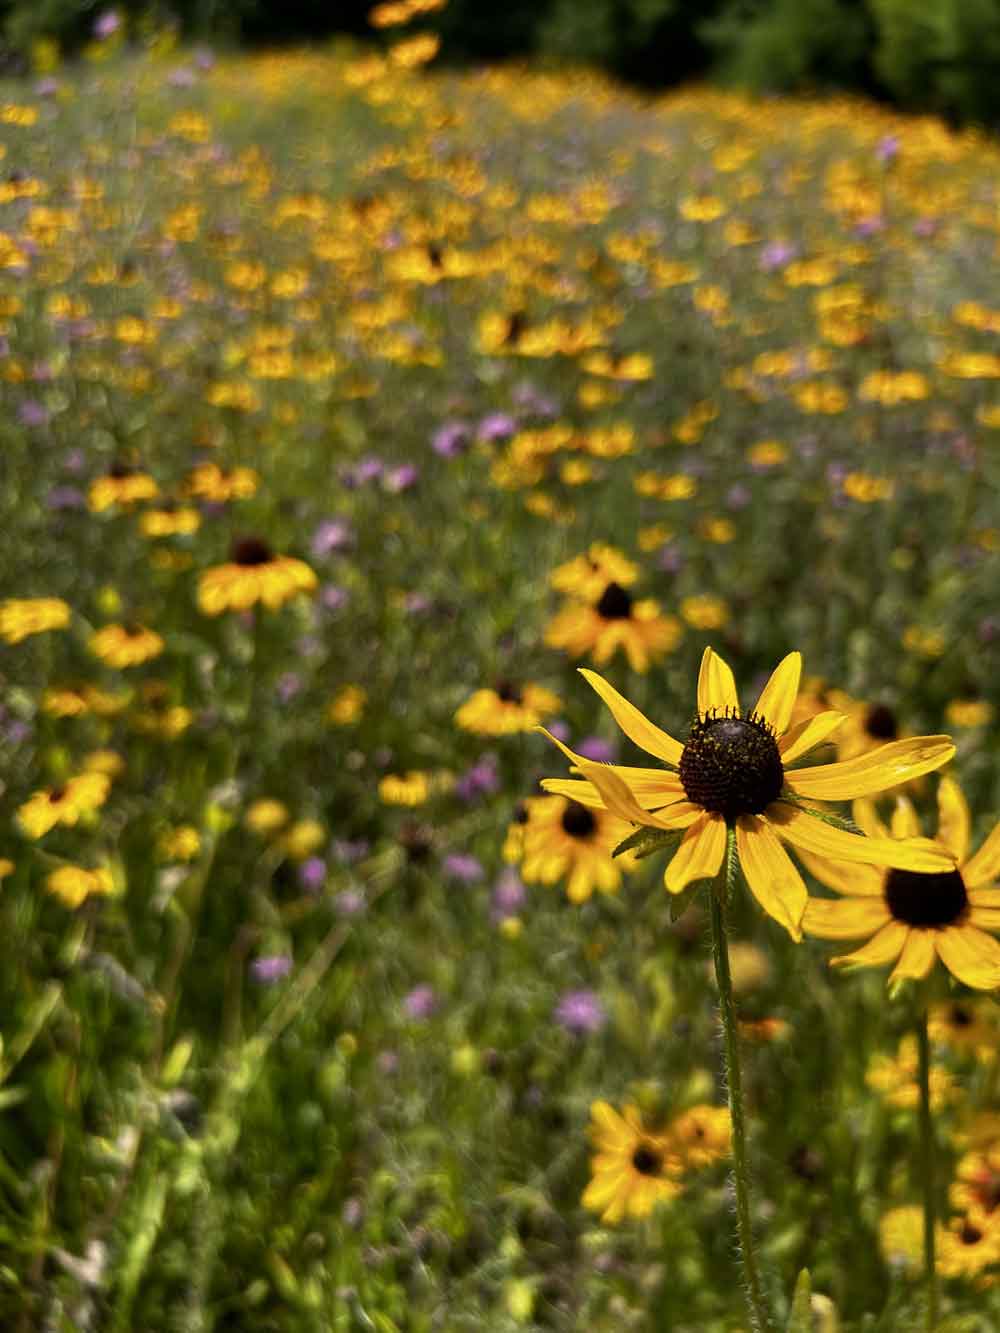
[123,646]
[24,616]
[253,574]
[734,773]
[73,885]
[78,797]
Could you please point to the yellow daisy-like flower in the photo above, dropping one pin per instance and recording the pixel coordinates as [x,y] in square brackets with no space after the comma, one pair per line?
[412,788]
[507,709]
[962,1026]
[563,840]
[253,574]
[734,772]
[73,885]
[122,486]
[901,1236]
[182,843]
[209,482]
[347,705]
[170,521]
[966,1249]
[702,1135]
[894,1078]
[126,645]
[266,816]
[913,916]
[865,726]
[976,1187]
[633,1169]
[21,617]
[63,805]
[588,575]
[615,621]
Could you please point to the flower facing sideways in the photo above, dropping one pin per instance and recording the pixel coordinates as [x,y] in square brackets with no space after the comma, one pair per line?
[734,773]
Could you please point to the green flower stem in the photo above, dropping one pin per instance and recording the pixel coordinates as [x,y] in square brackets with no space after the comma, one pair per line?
[927,1169]
[718,899]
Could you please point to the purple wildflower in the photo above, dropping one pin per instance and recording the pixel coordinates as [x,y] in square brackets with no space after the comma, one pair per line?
[509,895]
[580,1012]
[274,967]
[450,439]
[420,1003]
[463,867]
[597,749]
[333,534]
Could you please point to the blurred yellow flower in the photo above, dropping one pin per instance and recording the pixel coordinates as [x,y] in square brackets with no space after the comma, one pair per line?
[22,617]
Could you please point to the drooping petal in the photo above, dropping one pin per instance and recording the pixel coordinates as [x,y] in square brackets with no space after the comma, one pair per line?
[808,734]
[769,872]
[874,771]
[654,781]
[586,794]
[954,822]
[866,817]
[619,800]
[880,949]
[917,957]
[804,830]
[844,918]
[635,725]
[575,759]
[905,823]
[716,686]
[846,877]
[700,853]
[777,699]
[971,955]
[984,866]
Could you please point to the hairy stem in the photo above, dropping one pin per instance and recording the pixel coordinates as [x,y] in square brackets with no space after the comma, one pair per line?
[718,898]
[927,1169]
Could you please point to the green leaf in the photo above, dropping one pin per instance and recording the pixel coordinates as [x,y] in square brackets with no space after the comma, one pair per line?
[647,841]
[680,902]
[800,1320]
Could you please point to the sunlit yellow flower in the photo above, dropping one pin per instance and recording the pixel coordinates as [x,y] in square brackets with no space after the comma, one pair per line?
[122,486]
[73,885]
[347,705]
[507,709]
[411,788]
[701,1135]
[209,482]
[894,1078]
[966,1248]
[866,489]
[611,623]
[963,1025]
[913,916]
[901,1236]
[705,612]
[21,617]
[126,645]
[253,574]
[633,1168]
[170,521]
[303,838]
[7,867]
[266,816]
[588,575]
[560,840]
[108,762]
[78,797]
[733,773]
[182,843]
[962,713]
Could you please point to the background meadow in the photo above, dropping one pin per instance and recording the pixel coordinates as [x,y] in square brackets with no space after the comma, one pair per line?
[288,1041]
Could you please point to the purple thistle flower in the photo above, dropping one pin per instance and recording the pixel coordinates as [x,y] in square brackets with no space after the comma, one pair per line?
[496,426]
[450,439]
[598,749]
[312,873]
[580,1012]
[509,895]
[274,967]
[482,779]
[401,478]
[463,867]
[107,24]
[420,1003]
[333,534]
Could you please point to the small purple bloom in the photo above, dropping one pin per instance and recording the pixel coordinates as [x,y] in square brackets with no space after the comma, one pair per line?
[333,534]
[463,867]
[496,426]
[776,255]
[333,598]
[482,779]
[738,496]
[420,1003]
[560,730]
[348,851]
[580,1012]
[401,478]
[107,24]
[32,413]
[273,968]
[450,439]
[509,895]
[351,902]
[387,1062]
[288,686]
[416,603]
[597,749]
[65,497]
[312,873]
[670,559]
[368,469]
[887,148]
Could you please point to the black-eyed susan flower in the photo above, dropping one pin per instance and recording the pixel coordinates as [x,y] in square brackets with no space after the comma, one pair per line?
[122,485]
[615,621]
[865,725]
[254,573]
[963,1025]
[507,708]
[170,521]
[734,772]
[347,705]
[123,646]
[266,816]
[633,1168]
[586,576]
[209,482]
[975,1189]
[20,617]
[967,1248]
[73,885]
[67,804]
[912,916]
[560,839]
[894,1078]
[701,1135]
[413,788]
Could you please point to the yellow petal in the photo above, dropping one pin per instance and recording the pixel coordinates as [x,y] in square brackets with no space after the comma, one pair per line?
[874,771]
[846,877]
[651,781]
[917,957]
[880,949]
[865,815]
[971,955]
[905,823]
[581,792]
[807,735]
[575,759]
[987,917]
[619,800]
[716,686]
[777,699]
[635,726]
[700,853]
[953,819]
[844,918]
[984,866]
[769,872]
[804,830]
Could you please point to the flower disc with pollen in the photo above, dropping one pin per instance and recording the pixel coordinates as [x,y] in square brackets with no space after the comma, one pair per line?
[249,551]
[615,603]
[926,901]
[731,765]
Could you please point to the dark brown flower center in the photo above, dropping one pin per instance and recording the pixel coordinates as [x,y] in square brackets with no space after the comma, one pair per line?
[615,603]
[119,471]
[930,902]
[959,1017]
[731,765]
[56,795]
[647,1161]
[970,1235]
[578,821]
[251,551]
[508,692]
[881,724]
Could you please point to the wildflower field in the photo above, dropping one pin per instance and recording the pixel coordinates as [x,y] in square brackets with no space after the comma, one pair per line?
[350,408]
